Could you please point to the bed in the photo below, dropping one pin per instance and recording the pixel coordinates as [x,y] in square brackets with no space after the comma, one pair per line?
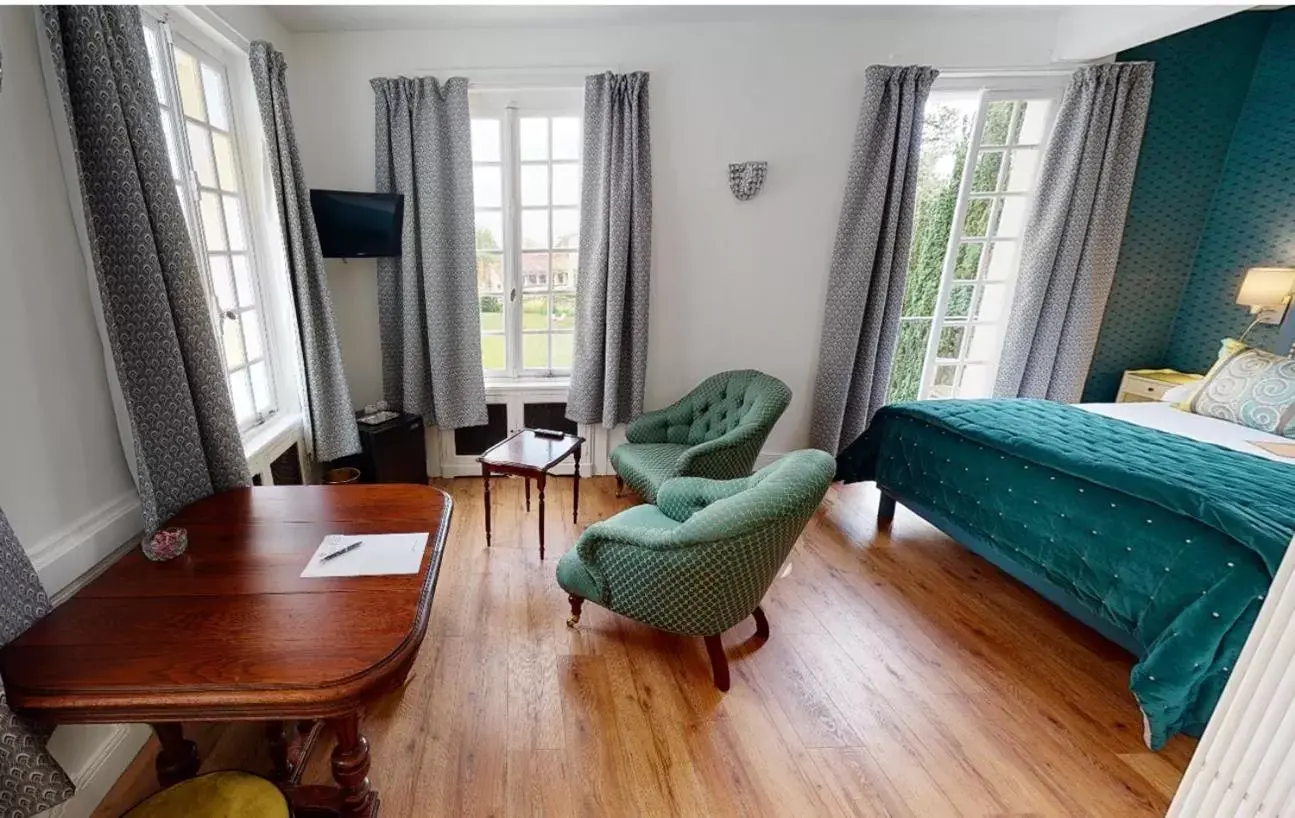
[1159,529]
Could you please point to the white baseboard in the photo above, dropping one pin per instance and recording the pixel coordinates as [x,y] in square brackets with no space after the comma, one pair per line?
[69,553]
[95,756]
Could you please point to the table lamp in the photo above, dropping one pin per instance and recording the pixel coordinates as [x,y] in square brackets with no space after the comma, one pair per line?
[1267,292]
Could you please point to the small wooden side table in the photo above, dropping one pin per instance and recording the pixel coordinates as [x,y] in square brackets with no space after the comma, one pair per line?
[530,457]
[1148,385]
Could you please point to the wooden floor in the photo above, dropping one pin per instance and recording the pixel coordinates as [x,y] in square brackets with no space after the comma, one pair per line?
[904,676]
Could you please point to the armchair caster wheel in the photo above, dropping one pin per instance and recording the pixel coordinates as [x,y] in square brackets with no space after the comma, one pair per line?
[576,603]
[572,621]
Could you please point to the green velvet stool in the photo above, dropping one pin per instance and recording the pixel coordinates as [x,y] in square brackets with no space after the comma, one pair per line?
[715,431]
[699,561]
[227,794]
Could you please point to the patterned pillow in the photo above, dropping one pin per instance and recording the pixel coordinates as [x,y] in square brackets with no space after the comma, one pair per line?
[1250,387]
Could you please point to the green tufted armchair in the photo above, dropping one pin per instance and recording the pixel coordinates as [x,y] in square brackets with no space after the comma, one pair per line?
[716,431]
[699,561]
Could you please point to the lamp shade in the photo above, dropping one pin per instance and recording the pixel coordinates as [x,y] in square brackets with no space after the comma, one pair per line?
[1266,286]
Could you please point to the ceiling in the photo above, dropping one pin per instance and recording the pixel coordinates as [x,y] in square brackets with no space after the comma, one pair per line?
[310,18]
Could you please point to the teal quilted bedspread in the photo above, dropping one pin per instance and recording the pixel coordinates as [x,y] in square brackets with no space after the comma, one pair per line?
[1169,540]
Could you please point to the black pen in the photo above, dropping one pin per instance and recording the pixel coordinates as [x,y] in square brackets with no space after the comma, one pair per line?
[339,552]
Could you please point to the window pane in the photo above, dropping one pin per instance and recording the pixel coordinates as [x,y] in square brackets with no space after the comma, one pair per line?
[200,152]
[974,383]
[485,140]
[535,271]
[243,280]
[213,86]
[566,184]
[968,265]
[1020,171]
[535,350]
[534,138]
[566,137]
[997,121]
[492,313]
[222,282]
[1011,219]
[906,372]
[225,161]
[190,86]
[984,343]
[1002,260]
[168,130]
[535,312]
[564,312]
[488,186]
[234,223]
[950,342]
[1033,121]
[977,218]
[566,228]
[261,386]
[985,177]
[959,305]
[943,383]
[990,305]
[494,355]
[241,392]
[233,341]
[490,273]
[535,185]
[252,335]
[535,229]
[213,230]
[563,350]
[564,271]
[490,230]
[150,45]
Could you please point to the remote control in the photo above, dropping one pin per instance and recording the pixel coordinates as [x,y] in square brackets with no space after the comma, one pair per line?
[549,433]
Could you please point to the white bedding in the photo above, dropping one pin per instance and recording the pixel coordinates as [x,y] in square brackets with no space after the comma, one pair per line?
[1166,418]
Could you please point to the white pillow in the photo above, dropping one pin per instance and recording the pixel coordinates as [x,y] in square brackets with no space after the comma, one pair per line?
[1181,392]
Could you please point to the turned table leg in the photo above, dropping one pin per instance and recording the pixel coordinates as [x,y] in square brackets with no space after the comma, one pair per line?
[539,484]
[485,478]
[178,758]
[527,481]
[351,766]
[276,735]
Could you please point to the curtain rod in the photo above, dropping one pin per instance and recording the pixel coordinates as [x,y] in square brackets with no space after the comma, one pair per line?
[1051,70]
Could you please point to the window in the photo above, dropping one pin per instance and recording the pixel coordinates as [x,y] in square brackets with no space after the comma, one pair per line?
[976,176]
[526,179]
[202,144]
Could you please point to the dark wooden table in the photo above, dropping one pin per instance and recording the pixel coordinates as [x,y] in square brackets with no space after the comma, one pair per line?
[531,457]
[229,631]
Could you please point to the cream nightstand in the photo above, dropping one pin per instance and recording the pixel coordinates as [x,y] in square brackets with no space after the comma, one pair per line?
[1150,384]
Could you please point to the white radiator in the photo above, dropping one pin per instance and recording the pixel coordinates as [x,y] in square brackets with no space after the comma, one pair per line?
[1244,766]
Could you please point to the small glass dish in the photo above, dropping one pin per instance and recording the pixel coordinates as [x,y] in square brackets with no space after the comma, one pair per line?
[166,544]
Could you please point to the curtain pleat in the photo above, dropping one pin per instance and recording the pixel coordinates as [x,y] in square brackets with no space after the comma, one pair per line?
[870,259]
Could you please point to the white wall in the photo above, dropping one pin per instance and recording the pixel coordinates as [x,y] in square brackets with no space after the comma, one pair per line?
[734,284]
[1093,32]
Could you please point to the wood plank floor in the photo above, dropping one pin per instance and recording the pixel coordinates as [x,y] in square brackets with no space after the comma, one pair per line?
[904,677]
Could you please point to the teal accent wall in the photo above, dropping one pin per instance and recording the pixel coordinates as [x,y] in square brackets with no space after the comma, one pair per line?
[1201,81]
[1252,218]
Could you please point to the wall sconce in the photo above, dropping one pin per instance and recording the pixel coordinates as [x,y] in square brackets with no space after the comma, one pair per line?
[1267,292]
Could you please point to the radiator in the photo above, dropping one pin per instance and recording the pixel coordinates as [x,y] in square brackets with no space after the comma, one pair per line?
[1244,766]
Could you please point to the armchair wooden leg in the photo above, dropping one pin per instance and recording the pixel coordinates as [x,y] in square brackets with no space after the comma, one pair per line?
[718,662]
[885,510]
[576,604]
[761,623]
[620,485]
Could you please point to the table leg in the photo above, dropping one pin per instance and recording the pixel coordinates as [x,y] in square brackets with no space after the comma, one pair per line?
[527,481]
[351,766]
[485,477]
[276,735]
[575,491]
[178,758]
[540,485]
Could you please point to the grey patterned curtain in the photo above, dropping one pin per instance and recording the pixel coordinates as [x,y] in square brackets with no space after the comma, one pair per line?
[870,260]
[31,781]
[187,443]
[332,420]
[427,299]
[1072,236]
[610,363]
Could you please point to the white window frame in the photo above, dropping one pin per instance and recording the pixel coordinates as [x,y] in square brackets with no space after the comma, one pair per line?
[174,29]
[986,90]
[510,107]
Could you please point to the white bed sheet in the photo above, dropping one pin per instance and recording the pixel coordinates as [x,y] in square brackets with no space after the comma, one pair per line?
[1166,418]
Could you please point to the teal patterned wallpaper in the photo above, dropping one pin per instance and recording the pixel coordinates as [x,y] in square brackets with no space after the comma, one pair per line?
[1200,85]
[1252,219]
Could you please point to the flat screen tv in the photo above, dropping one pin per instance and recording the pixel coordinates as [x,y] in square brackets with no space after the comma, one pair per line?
[352,224]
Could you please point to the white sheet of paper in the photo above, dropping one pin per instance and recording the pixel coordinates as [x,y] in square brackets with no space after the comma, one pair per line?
[379,554]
